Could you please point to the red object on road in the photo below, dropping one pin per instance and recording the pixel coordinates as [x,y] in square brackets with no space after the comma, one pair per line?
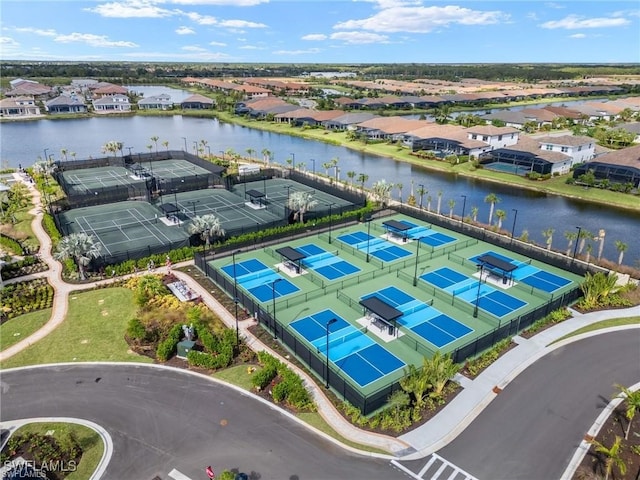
[210,472]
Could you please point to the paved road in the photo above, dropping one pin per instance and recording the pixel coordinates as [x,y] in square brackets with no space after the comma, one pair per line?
[531,430]
[161,419]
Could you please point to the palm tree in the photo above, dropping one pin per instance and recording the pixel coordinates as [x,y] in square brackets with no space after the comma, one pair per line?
[439,369]
[63,152]
[155,139]
[428,203]
[439,202]
[382,191]
[583,237]
[571,237]
[207,226]
[601,235]
[501,215]
[548,235]
[266,155]
[351,175]
[416,383]
[150,147]
[165,144]
[452,204]
[612,456]
[474,213]
[250,152]
[589,250]
[421,192]
[81,248]
[632,400]
[621,247]
[399,187]
[492,199]
[327,166]
[362,178]
[442,114]
[301,202]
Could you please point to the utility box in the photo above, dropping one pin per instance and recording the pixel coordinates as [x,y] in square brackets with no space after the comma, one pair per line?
[185,347]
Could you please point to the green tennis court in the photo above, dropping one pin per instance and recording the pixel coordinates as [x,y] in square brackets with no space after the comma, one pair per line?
[91,180]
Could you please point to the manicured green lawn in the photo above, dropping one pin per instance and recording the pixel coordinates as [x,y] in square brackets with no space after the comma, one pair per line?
[93,331]
[14,330]
[90,442]
[614,322]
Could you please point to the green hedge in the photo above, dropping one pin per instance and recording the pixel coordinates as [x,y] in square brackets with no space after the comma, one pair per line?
[49,226]
[11,244]
[167,347]
[290,389]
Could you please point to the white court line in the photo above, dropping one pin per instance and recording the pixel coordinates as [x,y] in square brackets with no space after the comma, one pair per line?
[131,212]
[94,233]
[175,474]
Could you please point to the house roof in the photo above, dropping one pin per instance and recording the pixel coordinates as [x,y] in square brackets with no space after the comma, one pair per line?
[64,100]
[163,98]
[527,144]
[563,112]
[633,127]
[391,125]
[14,102]
[539,114]
[119,99]
[353,118]
[565,140]
[628,157]
[491,130]
[110,90]
[27,87]
[197,98]
[317,115]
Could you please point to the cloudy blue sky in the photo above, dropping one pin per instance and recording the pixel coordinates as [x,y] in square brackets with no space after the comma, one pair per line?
[322,31]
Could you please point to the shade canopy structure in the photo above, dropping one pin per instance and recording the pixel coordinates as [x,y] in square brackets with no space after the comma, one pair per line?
[169,209]
[255,195]
[383,311]
[497,265]
[291,258]
[397,228]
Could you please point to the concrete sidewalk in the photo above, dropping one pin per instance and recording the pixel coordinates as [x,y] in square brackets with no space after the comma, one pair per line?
[422,441]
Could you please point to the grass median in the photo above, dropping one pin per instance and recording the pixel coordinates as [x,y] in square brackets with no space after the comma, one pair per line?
[614,322]
[20,327]
[93,331]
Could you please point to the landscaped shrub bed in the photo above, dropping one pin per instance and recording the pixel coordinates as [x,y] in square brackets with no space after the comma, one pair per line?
[25,297]
[26,266]
[55,458]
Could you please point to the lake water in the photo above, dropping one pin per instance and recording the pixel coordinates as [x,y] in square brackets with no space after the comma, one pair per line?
[25,142]
[147,91]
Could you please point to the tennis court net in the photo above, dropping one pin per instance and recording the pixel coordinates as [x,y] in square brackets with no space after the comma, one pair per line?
[113,225]
[355,333]
[266,272]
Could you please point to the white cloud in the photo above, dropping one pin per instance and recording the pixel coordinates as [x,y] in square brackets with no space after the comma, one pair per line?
[574,22]
[131,9]
[359,38]
[315,37]
[202,19]
[194,48]
[578,35]
[554,5]
[37,31]
[422,19]
[185,57]
[8,42]
[93,40]
[241,24]
[185,31]
[309,51]
[231,3]
[217,44]
[250,47]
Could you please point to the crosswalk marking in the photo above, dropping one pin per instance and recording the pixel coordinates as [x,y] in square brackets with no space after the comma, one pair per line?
[438,466]
[176,475]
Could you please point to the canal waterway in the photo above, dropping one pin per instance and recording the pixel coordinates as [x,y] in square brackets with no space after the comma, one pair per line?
[23,143]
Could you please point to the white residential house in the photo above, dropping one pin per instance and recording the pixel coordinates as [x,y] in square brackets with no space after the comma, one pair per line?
[112,104]
[579,149]
[496,137]
[18,107]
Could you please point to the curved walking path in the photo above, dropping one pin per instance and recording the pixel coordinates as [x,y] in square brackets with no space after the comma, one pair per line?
[424,440]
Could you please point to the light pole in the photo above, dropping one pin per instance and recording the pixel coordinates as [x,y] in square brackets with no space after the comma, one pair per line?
[286,211]
[313,163]
[209,150]
[195,148]
[330,205]
[45,158]
[475,308]
[273,300]
[575,248]
[415,271]
[368,235]
[221,154]
[421,190]
[235,293]
[464,204]
[185,143]
[326,381]
[513,227]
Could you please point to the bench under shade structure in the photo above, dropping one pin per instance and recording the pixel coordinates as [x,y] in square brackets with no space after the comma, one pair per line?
[256,196]
[497,266]
[382,312]
[169,210]
[396,228]
[291,258]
